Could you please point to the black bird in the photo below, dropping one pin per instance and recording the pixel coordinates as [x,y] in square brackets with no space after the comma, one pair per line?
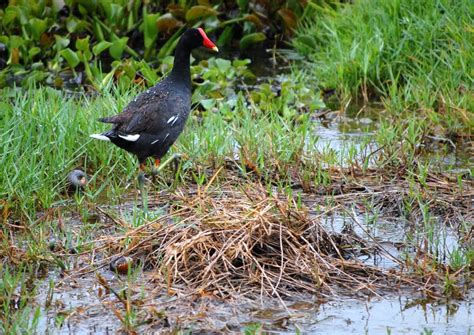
[151,123]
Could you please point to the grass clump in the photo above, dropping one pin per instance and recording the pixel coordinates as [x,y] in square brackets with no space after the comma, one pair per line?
[417,55]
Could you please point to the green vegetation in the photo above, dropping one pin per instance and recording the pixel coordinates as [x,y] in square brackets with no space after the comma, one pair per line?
[45,134]
[418,56]
[53,42]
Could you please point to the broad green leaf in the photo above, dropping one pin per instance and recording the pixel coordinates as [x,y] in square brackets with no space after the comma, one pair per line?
[61,42]
[129,67]
[70,56]
[38,27]
[75,25]
[223,64]
[148,73]
[113,11]
[117,13]
[243,4]
[100,47]
[98,33]
[71,24]
[82,44]
[226,36]
[251,39]
[11,13]
[117,47]
[150,29]
[208,103]
[15,42]
[57,5]
[33,78]
[37,65]
[33,52]
[197,12]
[88,6]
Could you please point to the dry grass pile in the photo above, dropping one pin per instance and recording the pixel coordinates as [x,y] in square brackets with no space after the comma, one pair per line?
[245,240]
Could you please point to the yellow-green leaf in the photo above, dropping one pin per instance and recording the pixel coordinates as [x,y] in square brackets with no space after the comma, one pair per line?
[197,12]
[251,39]
[100,47]
[168,23]
[117,47]
[38,27]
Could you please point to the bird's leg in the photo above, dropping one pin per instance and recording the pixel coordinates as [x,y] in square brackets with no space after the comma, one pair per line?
[166,162]
[141,185]
[155,169]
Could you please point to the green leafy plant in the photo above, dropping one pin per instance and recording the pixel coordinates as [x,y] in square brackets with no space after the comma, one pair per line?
[43,40]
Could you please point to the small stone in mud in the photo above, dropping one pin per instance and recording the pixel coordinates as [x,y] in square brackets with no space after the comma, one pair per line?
[121,264]
[365,120]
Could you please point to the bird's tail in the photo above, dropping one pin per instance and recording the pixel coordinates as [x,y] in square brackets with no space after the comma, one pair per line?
[101,137]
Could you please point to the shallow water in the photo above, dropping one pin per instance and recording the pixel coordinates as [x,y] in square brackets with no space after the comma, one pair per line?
[80,305]
[84,313]
[338,132]
[394,315]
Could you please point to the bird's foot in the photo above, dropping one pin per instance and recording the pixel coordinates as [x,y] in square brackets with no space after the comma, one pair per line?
[175,158]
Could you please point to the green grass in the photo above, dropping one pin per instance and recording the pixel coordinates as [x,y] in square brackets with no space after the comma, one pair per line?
[417,55]
[45,135]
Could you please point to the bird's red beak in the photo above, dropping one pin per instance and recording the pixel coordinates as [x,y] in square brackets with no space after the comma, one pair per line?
[206,42]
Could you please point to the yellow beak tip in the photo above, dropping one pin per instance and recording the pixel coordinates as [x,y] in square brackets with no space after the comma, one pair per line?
[215,49]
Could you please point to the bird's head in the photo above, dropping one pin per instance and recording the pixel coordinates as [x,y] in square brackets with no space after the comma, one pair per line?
[196,38]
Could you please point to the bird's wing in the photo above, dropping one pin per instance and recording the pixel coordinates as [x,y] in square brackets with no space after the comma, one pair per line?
[149,111]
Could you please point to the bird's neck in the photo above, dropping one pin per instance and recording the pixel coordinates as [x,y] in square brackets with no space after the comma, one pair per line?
[181,71]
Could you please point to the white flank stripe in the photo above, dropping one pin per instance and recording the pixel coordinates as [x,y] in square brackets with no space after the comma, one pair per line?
[155,141]
[168,134]
[172,119]
[100,137]
[130,138]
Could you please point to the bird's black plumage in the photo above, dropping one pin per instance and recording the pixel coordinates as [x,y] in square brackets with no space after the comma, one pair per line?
[152,122]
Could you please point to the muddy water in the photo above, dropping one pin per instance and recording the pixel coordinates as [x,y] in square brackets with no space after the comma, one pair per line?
[394,315]
[79,310]
[79,305]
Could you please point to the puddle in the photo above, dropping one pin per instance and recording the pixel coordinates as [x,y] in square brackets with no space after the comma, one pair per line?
[75,308]
[80,310]
[343,134]
[395,315]
[80,305]
[391,237]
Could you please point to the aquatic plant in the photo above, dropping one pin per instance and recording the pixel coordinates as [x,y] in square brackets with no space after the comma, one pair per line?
[85,42]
